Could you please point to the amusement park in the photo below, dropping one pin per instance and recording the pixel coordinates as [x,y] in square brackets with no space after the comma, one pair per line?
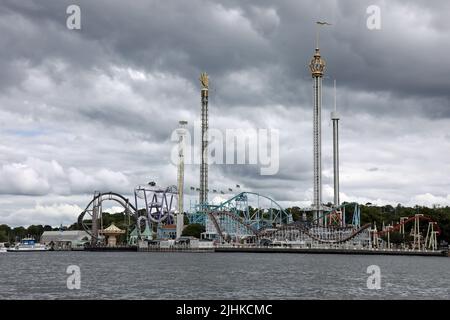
[251,220]
[224,158]
[155,217]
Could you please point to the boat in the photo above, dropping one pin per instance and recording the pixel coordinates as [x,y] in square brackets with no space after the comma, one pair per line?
[28,245]
[2,248]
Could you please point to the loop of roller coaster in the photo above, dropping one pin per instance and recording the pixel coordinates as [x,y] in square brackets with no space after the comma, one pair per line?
[112,196]
[124,202]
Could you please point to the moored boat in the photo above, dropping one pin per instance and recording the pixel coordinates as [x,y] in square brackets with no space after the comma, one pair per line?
[28,245]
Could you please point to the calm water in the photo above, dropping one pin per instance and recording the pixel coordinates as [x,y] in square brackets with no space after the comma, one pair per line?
[131,275]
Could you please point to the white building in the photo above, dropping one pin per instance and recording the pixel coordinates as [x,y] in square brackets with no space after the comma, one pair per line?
[65,240]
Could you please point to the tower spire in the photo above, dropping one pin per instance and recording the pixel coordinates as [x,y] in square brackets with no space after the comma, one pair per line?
[181,131]
[317,68]
[318,25]
[203,197]
[335,119]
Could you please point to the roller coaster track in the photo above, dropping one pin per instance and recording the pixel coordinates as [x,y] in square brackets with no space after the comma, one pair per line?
[351,236]
[124,202]
[226,205]
[216,225]
[300,227]
[397,226]
[329,211]
[267,232]
[215,214]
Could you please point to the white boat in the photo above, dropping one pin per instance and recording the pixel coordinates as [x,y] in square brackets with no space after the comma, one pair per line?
[3,248]
[28,245]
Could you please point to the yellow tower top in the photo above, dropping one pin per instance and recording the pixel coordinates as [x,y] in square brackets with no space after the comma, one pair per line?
[204,80]
[317,65]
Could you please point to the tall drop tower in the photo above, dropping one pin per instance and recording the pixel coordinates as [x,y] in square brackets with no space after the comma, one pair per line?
[317,67]
[335,119]
[181,131]
[203,197]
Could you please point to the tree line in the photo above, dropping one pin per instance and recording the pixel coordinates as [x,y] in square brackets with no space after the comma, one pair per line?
[9,234]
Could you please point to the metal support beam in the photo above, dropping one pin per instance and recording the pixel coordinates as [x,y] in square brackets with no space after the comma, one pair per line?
[203,197]
[181,131]
[317,67]
[335,119]
[96,212]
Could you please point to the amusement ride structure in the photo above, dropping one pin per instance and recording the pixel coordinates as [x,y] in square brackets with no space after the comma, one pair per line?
[157,207]
[252,219]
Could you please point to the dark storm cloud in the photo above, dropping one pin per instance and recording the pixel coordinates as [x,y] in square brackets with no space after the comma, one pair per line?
[95,108]
[224,37]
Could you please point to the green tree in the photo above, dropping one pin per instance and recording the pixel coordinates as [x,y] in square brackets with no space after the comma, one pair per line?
[3,236]
[6,231]
[18,233]
[193,230]
[35,231]
[74,226]
[296,213]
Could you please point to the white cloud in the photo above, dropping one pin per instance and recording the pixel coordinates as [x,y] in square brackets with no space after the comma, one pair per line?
[74,121]
[429,200]
[113,209]
[53,215]
[18,178]
[40,177]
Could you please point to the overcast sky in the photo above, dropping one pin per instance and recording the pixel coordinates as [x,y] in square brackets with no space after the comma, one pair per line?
[94,109]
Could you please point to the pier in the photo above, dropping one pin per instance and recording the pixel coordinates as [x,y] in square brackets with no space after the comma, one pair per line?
[177,249]
[268,249]
[443,253]
[112,248]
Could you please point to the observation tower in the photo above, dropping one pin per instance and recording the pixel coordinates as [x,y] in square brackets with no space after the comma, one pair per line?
[335,119]
[203,197]
[181,132]
[317,67]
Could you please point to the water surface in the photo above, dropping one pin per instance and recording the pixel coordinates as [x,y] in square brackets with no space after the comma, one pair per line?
[153,275]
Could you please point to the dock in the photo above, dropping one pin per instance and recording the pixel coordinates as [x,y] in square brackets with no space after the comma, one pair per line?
[111,248]
[437,253]
[176,249]
[268,249]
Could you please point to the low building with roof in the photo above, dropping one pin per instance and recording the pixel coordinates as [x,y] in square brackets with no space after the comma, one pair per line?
[65,240]
[167,231]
